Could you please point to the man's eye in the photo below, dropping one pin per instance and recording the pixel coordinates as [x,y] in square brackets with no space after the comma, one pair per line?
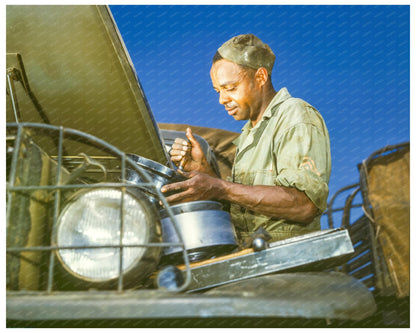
[230,88]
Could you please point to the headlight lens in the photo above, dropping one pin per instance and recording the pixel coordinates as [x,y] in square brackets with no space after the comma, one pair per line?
[94,218]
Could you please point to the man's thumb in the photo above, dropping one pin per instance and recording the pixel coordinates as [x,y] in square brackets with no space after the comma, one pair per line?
[191,137]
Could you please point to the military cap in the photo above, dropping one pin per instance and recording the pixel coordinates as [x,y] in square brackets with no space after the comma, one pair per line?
[248,50]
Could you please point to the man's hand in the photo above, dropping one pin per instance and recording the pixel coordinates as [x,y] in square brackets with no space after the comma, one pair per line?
[190,155]
[198,186]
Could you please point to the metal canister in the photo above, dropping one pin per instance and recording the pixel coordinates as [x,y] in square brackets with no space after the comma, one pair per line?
[206,230]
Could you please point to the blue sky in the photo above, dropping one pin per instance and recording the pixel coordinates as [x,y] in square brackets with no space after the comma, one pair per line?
[351,62]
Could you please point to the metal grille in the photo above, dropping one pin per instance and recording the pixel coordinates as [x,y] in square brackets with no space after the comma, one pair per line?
[109,172]
[368,264]
[362,264]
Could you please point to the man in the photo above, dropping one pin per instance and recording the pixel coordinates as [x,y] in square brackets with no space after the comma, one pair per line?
[282,164]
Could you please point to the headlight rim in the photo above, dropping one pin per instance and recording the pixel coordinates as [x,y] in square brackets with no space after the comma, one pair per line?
[140,268]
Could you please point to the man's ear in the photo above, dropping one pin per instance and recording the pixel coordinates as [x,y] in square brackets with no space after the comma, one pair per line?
[262,76]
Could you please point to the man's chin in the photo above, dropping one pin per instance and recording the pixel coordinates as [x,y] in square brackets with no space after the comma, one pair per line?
[235,115]
[238,117]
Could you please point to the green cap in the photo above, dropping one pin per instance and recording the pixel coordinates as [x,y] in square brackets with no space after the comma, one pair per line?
[248,50]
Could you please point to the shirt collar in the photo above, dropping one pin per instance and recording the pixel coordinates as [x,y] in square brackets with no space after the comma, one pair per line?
[282,95]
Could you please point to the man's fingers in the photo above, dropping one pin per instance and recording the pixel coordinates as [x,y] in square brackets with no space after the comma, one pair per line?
[183,194]
[180,146]
[180,141]
[174,187]
[177,197]
[183,185]
[176,152]
[176,158]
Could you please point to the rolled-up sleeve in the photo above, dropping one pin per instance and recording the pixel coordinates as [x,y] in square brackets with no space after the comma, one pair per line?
[304,161]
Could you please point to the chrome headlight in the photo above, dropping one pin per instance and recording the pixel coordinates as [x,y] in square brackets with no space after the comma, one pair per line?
[93,218]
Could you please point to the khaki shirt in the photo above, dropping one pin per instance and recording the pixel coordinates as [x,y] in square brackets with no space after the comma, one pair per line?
[288,147]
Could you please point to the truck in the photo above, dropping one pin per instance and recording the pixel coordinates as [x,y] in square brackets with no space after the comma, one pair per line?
[92,242]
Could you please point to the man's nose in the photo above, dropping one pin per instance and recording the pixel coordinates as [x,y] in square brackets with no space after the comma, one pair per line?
[224,98]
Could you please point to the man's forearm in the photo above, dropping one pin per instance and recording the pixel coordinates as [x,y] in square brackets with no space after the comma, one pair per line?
[277,201]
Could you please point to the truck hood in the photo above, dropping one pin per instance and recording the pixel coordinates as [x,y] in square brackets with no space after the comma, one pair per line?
[72,69]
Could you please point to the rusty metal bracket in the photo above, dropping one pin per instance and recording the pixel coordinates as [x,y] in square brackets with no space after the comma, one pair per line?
[319,250]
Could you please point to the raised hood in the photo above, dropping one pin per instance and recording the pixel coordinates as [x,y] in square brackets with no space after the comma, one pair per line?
[76,72]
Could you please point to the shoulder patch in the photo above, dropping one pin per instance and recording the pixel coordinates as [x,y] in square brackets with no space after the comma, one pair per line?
[309,164]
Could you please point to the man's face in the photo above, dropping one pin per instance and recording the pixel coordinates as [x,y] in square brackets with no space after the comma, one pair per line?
[237,88]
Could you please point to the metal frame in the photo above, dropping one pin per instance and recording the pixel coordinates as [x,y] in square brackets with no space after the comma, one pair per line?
[368,263]
[58,187]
